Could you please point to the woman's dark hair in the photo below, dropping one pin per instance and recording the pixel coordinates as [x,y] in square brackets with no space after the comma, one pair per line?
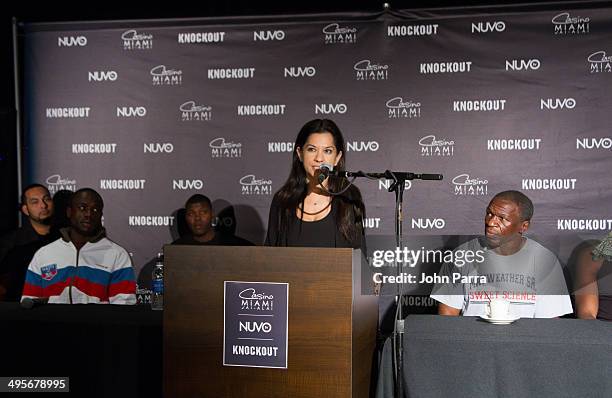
[350,209]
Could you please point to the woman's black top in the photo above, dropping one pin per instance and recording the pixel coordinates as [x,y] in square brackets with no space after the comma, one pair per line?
[321,233]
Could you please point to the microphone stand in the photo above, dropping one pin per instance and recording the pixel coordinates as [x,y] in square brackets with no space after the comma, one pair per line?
[398,186]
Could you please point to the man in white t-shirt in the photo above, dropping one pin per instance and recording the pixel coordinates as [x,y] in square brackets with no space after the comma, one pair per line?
[510,267]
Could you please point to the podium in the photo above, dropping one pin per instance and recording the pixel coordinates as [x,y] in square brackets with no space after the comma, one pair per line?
[331,325]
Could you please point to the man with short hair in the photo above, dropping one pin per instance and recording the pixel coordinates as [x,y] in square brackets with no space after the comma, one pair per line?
[18,247]
[199,217]
[83,266]
[515,268]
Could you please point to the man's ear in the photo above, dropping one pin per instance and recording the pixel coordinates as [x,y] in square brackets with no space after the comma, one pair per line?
[525,226]
[24,210]
[68,212]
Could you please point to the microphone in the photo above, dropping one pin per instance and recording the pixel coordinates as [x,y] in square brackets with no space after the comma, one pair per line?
[326,170]
[29,302]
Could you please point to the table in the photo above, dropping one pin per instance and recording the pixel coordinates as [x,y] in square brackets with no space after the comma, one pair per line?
[467,357]
[106,350]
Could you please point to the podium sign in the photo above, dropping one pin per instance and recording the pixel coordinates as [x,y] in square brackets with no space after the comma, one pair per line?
[255,324]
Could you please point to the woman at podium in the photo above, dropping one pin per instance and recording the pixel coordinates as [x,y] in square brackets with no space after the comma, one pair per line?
[313,209]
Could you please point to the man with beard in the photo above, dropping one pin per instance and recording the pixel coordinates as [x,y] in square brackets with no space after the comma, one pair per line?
[83,266]
[199,217]
[517,269]
[18,247]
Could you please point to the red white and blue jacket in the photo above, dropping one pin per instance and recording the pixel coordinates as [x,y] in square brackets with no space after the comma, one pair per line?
[99,273]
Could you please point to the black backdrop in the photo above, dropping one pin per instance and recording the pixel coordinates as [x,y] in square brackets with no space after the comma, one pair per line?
[73,10]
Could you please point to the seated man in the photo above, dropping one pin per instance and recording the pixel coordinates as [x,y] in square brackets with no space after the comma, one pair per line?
[199,217]
[18,247]
[83,266]
[515,268]
[594,281]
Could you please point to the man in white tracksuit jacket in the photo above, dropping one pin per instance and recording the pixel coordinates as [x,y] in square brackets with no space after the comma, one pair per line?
[83,266]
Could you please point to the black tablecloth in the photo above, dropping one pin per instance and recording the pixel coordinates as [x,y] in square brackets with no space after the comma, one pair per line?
[467,357]
[106,350]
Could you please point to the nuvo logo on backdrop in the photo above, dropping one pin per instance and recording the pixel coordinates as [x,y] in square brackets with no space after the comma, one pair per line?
[268,35]
[56,183]
[191,112]
[133,40]
[72,41]
[464,185]
[398,108]
[566,24]
[131,111]
[330,109]
[362,146]
[102,76]
[158,147]
[600,62]
[383,185]
[300,71]
[250,185]
[185,184]
[162,76]
[220,148]
[594,143]
[557,103]
[335,34]
[368,70]
[433,146]
[427,223]
[523,64]
[488,27]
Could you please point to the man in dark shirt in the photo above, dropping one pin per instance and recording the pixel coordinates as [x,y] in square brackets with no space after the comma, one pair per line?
[18,247]
[199,217]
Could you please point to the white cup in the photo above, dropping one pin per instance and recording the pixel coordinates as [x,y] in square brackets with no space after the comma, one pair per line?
[498,309]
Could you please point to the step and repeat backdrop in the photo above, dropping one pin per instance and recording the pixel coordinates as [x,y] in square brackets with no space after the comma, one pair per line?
[151,112]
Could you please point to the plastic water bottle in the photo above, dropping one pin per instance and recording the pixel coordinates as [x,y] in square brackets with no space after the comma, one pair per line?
[157,287]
